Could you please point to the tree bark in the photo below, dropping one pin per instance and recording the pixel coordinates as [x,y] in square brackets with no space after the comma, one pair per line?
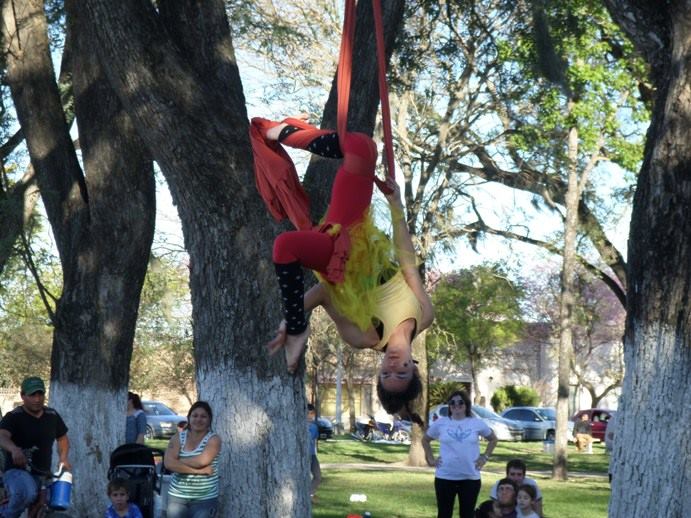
[196,128]
[651,464]
[567,303]
[103,229]
[174,71]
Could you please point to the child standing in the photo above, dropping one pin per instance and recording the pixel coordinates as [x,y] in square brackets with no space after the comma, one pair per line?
[525,499]
[313,433]
[119,497]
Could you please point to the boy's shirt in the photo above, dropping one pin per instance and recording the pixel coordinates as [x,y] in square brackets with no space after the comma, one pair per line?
[132,512]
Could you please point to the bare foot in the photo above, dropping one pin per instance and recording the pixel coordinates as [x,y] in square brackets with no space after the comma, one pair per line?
[279,340]
[294,345]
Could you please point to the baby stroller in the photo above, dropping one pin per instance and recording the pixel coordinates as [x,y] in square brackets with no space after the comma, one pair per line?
[135,463]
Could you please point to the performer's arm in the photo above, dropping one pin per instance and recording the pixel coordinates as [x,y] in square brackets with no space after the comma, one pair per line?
[406,254]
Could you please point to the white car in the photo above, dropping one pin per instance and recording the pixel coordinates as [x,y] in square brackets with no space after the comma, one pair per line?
[504,429]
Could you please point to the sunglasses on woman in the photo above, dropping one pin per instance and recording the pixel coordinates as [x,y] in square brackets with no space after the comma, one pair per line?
[456,402]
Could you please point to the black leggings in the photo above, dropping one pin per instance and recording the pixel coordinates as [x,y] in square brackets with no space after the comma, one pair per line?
[446,490]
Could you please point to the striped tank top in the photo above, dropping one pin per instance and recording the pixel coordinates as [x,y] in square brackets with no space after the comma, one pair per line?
[195,487]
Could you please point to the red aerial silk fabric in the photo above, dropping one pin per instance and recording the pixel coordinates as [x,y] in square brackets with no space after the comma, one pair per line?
[275,175]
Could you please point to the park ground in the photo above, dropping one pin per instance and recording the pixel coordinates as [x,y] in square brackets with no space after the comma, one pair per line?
[394,490]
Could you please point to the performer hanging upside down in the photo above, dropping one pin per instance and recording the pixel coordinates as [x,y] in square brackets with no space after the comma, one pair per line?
[370,288]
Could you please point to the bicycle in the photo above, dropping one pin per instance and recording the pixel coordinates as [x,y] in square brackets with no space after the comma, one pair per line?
[40,508]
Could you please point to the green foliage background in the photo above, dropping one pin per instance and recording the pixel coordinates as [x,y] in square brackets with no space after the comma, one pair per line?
[511,395]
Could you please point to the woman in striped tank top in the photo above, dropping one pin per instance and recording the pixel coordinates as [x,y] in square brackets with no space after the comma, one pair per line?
[192,456]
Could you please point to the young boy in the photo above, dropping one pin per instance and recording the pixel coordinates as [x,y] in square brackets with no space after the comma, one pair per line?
[313,433]
[120,506]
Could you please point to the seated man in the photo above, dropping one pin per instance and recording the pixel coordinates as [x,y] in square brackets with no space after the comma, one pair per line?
[583,432]
[31,425]
[505,504]
[515,470]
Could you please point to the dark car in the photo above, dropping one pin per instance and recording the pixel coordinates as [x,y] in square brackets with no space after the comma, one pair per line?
[326,429]
[598,418]
[539,423]
[161,421]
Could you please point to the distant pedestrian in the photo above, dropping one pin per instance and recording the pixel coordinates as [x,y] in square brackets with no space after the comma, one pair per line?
[135,422]
[313,434]
[583,432]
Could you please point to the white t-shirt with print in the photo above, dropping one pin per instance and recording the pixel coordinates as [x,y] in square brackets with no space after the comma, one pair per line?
[459,441]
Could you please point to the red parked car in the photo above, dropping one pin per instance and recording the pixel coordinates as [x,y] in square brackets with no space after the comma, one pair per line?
[598,418]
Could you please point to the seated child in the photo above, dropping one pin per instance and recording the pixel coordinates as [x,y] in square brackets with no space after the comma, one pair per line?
[119,497]
[525,499]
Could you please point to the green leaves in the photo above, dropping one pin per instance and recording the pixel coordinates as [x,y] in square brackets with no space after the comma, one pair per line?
[477,313]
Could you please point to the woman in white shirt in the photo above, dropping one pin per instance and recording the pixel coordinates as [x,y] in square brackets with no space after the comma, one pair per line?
[459,462]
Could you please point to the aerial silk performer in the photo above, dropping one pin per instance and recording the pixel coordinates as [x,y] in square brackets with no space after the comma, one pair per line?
[369,285]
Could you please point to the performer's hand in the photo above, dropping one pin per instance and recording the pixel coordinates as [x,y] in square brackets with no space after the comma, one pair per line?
[304,116]
[394,197]
[279,340]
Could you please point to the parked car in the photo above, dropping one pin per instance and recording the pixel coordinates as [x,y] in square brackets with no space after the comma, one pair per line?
[598,418]
[325,427]
[539,423]
[504,429]
[161,420]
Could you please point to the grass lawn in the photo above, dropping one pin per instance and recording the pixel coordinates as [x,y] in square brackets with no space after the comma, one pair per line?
[346,450]
[403,494]
[410,494]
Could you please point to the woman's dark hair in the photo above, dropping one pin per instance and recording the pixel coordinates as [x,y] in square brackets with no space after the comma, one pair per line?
[394,402]
[204,406]
[466,399]
[136,400]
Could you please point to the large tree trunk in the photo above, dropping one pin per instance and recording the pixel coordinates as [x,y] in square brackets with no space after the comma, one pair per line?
[567,303]
[186,98]
[651,463]
[416,454]
[174,70]
[103,229]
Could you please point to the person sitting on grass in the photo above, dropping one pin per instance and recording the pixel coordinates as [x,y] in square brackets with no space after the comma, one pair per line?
[515,470]
[525,502]
[583,431]
[120,506]
[505,504]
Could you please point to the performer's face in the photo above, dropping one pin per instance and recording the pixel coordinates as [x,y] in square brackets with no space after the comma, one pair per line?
[396,371]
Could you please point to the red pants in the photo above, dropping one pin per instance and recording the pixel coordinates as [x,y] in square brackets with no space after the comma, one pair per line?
[351,196]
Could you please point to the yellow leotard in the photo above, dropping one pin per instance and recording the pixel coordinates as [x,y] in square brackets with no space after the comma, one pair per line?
[395,302]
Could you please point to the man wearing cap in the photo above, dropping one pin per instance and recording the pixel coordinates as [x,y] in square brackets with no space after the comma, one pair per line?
[31,425]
